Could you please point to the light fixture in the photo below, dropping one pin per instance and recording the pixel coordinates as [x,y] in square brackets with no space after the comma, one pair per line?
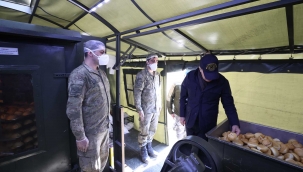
[94,9]
[100,5]
[106,1]
[180,43]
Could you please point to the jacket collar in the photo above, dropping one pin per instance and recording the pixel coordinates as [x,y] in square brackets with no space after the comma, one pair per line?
[90,69]
[148,73]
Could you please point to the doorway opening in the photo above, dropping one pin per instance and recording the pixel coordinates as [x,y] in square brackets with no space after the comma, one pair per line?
[174,79]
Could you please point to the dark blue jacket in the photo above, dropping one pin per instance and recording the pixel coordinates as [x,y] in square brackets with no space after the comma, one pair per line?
[194,102]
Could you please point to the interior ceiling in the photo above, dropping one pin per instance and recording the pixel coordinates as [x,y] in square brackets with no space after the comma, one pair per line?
[277,29]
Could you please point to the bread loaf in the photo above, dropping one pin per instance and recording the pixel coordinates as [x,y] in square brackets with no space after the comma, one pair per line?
[27,139]
[25,113]
[24,132]
[11,117]
[17,145]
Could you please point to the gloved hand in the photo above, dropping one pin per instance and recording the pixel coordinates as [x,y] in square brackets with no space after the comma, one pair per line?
[141,115]
[182,120]
[82,145]
[235,129]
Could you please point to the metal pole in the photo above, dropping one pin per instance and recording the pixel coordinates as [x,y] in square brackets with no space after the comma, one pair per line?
[118,118]
[118,48]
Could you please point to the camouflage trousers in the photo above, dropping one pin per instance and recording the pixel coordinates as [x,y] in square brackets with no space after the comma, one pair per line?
[95,159]
[148,128]
[179,128]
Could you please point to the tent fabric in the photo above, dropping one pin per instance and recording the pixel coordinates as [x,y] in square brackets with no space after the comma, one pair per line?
[230,9]
[267,29]
[298,24]
[41,22]
[10,14]
[61,12]
[272,99]
[93,27]
[264,66]
[161,43]
[89,3]
[125,46]
[21,2]
[245,32]
[129,16]
[167,9]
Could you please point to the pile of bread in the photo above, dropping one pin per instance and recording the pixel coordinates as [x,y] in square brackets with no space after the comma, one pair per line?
[25,142]
[292,151]
[14,112]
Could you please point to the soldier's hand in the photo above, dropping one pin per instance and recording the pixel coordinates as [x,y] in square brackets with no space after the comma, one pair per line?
[141,115]
[182,120]
[82,145]
[235,129]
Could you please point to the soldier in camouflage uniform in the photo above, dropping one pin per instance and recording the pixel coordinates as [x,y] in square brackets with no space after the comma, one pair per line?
[173,107]
[88,108]
[147,96]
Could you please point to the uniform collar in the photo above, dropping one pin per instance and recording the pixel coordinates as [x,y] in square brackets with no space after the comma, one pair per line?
[90,69]
[146,70]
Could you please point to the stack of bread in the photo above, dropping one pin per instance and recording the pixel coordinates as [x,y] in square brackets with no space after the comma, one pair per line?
[18,126]
[292,151]
[13,112]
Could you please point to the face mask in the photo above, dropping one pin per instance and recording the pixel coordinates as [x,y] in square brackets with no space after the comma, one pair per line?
[103,59]
[153,66]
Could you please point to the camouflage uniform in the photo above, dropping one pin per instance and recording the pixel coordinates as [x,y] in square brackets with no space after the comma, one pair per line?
[147,95]
[88,108]
[173,107]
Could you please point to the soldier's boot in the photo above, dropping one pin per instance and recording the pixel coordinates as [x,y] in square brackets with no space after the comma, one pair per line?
[151,152]
[144,155]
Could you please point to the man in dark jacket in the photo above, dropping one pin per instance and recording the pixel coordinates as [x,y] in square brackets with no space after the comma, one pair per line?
[201,91]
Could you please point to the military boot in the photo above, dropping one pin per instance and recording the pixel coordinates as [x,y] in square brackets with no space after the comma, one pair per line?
[151,152]
[144,155]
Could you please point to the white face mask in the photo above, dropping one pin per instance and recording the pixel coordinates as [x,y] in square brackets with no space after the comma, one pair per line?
[103,59]
[153,66]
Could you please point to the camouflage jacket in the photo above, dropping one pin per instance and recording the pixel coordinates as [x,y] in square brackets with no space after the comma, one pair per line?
[88,102]
[173,99]
[147,92]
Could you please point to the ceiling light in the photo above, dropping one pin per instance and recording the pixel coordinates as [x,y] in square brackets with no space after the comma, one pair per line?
[100,5]
[94,9]
[106,1]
